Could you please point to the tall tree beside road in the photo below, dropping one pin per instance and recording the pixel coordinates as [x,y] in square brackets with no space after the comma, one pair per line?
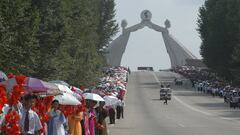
[55,39]
[107,26]
[218,25]
[79,47]
[18,45]
[50,35]
[236,64]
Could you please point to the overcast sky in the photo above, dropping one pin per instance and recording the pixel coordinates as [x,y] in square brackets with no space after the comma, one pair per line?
[146,47]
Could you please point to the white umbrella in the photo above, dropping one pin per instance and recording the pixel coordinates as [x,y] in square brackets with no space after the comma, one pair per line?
[64,88]
[77,90]
[60,82]
[66,99]
[93,96]
[3,76]
[121,85]
[76,95]
[110,100]
[114,94]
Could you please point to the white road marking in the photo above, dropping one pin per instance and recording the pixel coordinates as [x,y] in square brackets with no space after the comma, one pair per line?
[230,118]
[180,101]
[168,117]
[190,107]
[181,125]
[157,80]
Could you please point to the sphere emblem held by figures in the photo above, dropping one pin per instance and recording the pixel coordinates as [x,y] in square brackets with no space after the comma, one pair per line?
[146,15]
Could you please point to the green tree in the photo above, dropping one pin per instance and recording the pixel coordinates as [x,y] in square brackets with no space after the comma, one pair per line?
[235,69]
[219,30]
[50,35]
[79,48]
[18,46]
[56,39]
[107,27]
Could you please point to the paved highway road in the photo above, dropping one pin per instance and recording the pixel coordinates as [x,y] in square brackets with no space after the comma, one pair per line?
[188,113]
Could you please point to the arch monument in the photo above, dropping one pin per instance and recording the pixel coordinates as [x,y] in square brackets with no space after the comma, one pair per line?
[178,54]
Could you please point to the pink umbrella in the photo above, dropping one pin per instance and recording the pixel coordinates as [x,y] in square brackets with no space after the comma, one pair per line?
[33,85]
[38,86]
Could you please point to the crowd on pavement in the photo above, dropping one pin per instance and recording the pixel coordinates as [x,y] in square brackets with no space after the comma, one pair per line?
[207,82]
[30,106]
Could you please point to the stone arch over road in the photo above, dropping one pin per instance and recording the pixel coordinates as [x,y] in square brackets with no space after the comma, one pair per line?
[178,54]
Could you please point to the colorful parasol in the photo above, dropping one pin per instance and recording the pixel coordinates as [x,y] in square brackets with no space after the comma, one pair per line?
[110,100]
[64,88]
[67,99]
[38,86]
[3,76]
[93,96]
[60,82]
[33,85]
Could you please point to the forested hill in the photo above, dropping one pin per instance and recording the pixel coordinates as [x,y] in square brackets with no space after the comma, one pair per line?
[56,39]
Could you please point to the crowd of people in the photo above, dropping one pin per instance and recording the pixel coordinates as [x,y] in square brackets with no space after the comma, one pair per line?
[28,108]
[207,82]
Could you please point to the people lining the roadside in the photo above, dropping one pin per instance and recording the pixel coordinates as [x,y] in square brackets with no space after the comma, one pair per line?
[205,81]
[102,114]
[87,118]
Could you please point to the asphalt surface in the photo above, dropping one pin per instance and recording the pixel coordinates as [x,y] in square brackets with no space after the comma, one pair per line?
[188,113]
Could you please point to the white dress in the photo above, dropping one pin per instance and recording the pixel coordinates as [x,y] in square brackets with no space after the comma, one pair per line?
[55,124]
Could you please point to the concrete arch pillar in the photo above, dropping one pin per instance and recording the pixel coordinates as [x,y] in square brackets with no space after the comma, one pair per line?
[177,52]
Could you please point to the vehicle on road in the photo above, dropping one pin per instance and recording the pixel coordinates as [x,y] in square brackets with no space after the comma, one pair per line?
[165,93]
[146,68]
[178,81]
[234,99]
[227,96]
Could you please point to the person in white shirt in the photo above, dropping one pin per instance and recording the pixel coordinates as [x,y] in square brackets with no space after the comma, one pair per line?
[120,108]
[29,123]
